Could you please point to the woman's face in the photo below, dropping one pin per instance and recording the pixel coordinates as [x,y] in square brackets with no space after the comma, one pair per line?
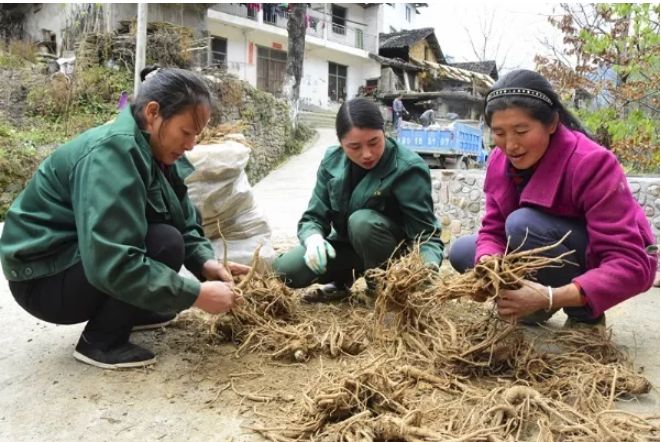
[522,138]
[171,138]
[364,146]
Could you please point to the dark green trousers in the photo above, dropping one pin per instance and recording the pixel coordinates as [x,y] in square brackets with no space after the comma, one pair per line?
[373,238]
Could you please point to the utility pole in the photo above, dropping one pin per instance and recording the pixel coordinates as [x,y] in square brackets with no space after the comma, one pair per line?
[140,44]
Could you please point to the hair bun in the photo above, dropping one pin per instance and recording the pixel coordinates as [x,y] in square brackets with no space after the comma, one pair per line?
[148,70]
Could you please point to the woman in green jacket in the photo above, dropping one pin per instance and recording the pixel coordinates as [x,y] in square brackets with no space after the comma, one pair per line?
[104,225]
[371,194]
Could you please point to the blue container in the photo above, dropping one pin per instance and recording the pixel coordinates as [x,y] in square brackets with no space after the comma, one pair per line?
[433,138]
[459,139]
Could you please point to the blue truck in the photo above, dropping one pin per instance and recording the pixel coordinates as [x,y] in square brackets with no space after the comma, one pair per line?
[455,145]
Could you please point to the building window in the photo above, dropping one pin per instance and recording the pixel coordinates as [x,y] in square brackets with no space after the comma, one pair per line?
[408,14]
[339,19]
[360,42]
[219,51]
[337,82]
[271,68]
[426,53]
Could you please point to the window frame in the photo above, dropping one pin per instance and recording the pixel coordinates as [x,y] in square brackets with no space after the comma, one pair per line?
[335,74]
[218,38]
[339,22]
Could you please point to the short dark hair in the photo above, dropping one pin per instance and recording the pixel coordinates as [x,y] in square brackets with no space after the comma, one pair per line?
[536,108]
[358,112]
[173,89]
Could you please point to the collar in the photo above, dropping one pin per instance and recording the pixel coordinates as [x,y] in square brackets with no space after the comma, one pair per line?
[126,123]
[545,182]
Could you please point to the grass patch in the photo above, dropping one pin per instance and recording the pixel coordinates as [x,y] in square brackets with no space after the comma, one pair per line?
[22,149]
[17,54]
[298,138]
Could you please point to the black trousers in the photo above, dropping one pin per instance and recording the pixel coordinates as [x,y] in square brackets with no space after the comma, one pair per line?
[69,298]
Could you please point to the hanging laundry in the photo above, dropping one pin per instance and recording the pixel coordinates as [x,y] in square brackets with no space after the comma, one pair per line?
[280,10]
[313,22]
[269,12]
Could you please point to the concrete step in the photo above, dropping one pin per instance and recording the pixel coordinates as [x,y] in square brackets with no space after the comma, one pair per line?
[317,119]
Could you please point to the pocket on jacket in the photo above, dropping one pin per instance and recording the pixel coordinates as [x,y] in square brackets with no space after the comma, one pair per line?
[156,209]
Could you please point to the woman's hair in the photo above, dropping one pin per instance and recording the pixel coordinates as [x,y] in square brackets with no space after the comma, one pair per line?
[175,90]
[358,112]
[504,95]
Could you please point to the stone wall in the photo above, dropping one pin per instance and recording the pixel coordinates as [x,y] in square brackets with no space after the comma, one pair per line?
[263,120]
[459,201]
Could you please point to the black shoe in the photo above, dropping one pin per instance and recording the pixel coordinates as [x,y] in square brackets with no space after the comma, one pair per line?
[122,356]
[598,323]
[152,320]
[538,317]
[327,293]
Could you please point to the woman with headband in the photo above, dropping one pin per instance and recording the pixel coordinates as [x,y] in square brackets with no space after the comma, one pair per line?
[546,178]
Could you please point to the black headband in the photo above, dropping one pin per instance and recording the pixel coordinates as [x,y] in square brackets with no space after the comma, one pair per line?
[519,91]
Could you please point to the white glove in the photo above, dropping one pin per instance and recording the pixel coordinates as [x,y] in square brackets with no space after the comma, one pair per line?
[317,252]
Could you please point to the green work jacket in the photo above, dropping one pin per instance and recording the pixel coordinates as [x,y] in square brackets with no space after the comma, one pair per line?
[399,187]
[91,201]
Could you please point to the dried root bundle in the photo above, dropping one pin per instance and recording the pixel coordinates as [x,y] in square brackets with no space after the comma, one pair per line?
[484,348]
[406,286]
[487,278]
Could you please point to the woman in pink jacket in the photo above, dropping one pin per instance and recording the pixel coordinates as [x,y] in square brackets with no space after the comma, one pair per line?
[546,178]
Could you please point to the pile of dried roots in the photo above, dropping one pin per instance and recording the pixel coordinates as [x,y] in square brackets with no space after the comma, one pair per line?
[429,364]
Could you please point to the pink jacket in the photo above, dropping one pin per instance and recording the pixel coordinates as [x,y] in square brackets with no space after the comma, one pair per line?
[578,178]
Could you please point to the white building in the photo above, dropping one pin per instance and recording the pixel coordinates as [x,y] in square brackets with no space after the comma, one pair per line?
[251,40]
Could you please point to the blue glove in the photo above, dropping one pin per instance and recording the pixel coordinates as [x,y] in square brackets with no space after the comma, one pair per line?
[317,252]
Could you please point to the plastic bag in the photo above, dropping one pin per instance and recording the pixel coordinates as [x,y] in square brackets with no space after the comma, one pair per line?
[220,190]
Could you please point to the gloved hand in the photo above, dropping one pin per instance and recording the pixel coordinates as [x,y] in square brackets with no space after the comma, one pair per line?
[317,252]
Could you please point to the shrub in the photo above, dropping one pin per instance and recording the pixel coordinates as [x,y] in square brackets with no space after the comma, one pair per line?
[17,54]
[91,91]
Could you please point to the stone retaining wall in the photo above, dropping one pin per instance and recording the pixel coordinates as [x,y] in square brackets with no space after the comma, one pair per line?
[262,118]
[459,200]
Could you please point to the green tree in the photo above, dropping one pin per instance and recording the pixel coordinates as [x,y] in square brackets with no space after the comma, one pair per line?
[609,68]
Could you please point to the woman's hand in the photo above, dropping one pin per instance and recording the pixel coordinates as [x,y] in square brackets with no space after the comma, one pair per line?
[482,295]
[217,297]
[528,299]
[213,270]
[238,269]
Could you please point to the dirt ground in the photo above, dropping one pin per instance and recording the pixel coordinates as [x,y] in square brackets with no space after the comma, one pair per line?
[198,390]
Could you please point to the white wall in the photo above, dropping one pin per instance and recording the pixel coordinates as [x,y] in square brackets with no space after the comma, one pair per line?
[374,20]
[53,17]
[190,15]
[49,16]
[394,15]
[237,51]
[314,84]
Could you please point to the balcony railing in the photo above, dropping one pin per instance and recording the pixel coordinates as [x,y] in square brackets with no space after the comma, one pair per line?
[319,25]
[237,9]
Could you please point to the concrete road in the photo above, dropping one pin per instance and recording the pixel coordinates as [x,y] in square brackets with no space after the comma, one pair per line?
[283,195]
